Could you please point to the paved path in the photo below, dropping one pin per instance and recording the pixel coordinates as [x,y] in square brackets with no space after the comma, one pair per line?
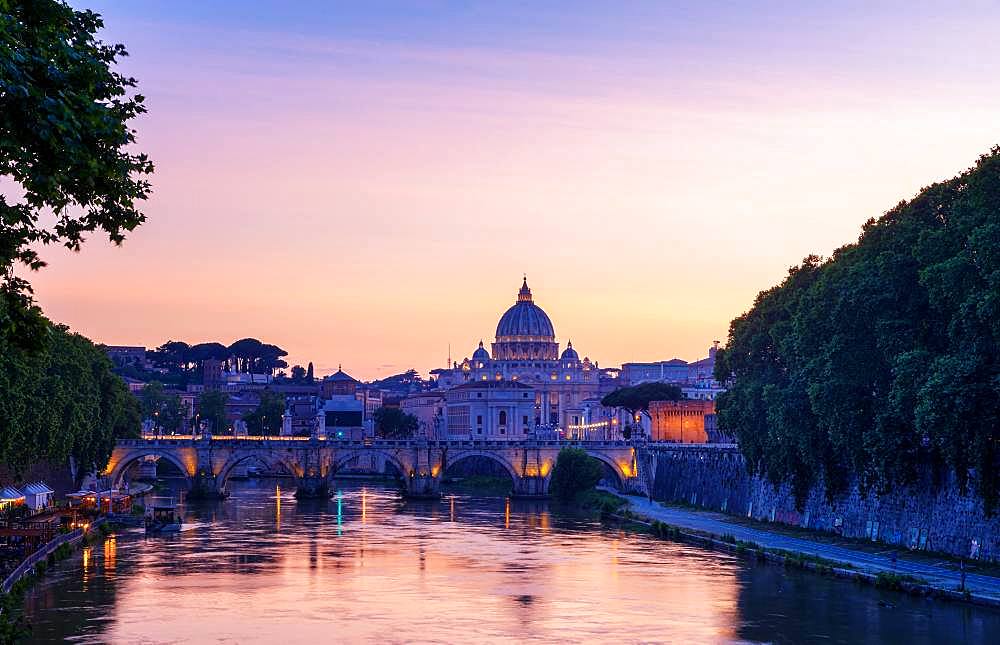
[945,575]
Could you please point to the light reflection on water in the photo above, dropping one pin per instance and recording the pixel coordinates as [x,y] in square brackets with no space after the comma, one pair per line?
[366,565]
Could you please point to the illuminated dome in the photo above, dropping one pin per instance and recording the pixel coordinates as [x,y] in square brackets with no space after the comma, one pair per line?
[481,354]
[525,331]
[569,354]
[525,319]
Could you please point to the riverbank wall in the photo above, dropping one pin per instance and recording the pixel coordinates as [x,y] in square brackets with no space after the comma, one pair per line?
[28,565]
[921,517]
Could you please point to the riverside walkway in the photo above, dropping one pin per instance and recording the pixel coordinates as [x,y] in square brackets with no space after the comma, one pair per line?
[944,575]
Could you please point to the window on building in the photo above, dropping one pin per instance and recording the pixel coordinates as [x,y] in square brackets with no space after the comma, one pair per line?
[503,417]
[479,419]
[524,419]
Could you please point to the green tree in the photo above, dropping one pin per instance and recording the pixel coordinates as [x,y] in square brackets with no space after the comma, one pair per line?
[153,399]
[65,146]
[638,397]
[574,473]
[212,410]
[61,400]
[881,362]
[267,418]
[173,414]
[310,377]
[298,374]
[393,423]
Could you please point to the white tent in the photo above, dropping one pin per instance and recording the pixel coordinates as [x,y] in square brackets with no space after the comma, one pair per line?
[38,495]
[9,497]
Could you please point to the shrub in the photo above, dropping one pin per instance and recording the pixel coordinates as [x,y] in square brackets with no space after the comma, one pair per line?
[574,473]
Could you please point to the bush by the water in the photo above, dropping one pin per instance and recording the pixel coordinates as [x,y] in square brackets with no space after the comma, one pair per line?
[574,473]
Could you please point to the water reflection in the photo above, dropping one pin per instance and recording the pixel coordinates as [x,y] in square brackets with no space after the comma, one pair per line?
[367,565]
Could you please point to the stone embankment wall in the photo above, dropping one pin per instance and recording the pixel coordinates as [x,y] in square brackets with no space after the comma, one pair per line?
[921,517]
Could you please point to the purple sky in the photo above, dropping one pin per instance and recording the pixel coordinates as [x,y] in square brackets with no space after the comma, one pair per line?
[366,185]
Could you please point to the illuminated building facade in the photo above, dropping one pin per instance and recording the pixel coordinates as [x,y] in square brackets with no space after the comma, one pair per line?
[683,421]
[526,352]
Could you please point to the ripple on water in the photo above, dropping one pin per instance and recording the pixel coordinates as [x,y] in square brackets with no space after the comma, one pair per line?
[367,565]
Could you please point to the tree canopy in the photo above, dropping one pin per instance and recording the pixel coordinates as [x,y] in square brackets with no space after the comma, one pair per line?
[61,400]
[245,355]
[393,423]
[637,398]
[267,418]
[883,359]
[575,471]
[212,410]
[65,146]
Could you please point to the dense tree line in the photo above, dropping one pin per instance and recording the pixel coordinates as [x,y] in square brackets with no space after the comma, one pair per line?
[61,399]
[882,361]
[245,355]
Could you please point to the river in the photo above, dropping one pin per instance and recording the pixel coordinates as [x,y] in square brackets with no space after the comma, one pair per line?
[261,567]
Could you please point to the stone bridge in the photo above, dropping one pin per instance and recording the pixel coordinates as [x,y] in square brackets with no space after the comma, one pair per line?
[208,462]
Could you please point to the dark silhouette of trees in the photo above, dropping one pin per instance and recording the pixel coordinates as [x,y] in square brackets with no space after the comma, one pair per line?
[212,410]
[574,473]
[638,397]
[60,400]
[393,423]
[267,418]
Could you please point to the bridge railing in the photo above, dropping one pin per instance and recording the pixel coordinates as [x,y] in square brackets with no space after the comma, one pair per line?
[395,444]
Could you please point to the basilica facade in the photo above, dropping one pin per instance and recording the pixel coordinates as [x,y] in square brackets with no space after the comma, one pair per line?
[550,386]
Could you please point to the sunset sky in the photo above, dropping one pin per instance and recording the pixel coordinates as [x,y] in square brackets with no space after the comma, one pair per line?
[365,183]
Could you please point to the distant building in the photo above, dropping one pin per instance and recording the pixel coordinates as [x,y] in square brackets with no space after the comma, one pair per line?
[491,410]
[211,374]
[123,355]
[134,385]
[342,414]
[681,421]
[673,371]
[526,352]
[429,409]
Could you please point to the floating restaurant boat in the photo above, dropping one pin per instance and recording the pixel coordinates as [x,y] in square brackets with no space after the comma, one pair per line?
[162,518]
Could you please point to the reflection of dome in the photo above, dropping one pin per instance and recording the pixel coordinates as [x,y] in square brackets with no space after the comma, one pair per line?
[525,318]
[569,354]
[481,354]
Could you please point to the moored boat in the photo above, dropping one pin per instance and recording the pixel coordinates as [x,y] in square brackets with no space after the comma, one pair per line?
[162,518]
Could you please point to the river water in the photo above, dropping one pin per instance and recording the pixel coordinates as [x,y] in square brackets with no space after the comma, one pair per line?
[261,567]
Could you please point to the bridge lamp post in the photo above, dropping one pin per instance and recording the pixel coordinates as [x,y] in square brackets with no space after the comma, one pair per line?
[263,425]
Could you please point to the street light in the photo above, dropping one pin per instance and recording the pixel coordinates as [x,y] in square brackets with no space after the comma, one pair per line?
[263,425]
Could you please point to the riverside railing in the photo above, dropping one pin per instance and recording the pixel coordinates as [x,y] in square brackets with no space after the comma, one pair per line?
[28,565]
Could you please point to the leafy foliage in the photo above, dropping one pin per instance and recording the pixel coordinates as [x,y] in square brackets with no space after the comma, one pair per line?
[882,359]
[212,410]
[64,145]
[574,473]
[267,418]
[246,355]
[638,397]
[60,400]
[393,423]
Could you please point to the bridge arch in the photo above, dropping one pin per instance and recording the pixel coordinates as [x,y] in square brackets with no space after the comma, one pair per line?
[123,463]
[614,466]
[340,460]
[451,460]
[271,461]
